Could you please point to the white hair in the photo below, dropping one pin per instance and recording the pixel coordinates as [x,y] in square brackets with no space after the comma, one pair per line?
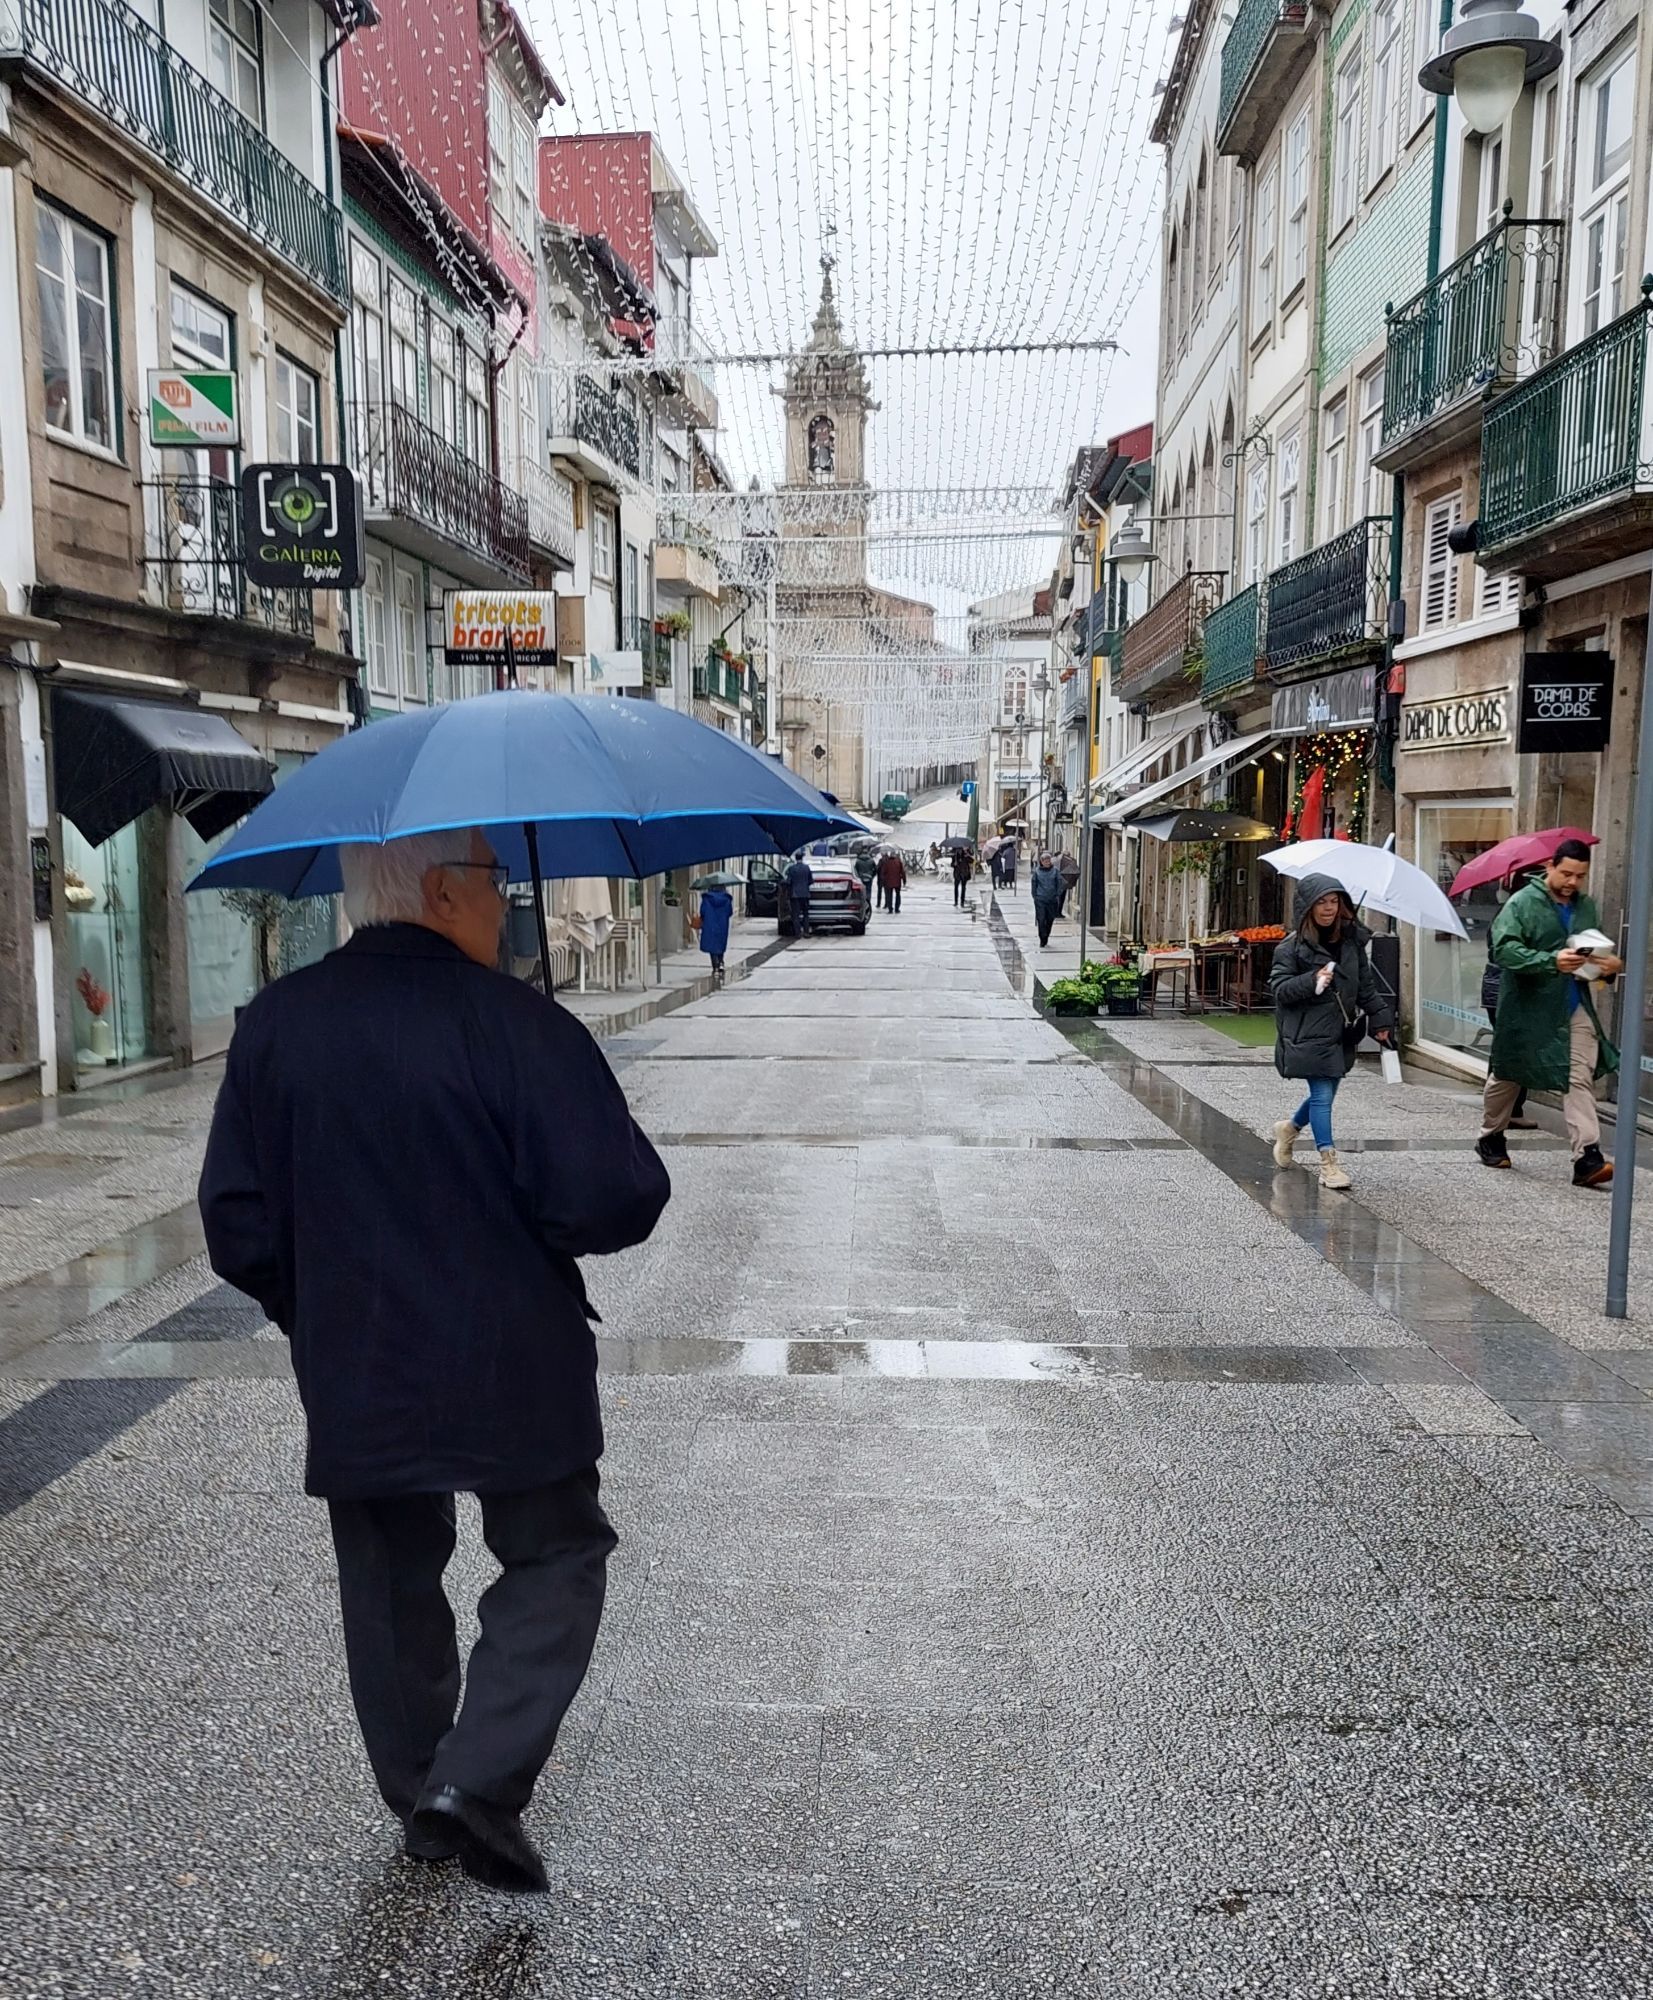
[385,883]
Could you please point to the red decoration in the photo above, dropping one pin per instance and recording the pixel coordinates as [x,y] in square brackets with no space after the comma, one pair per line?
[1308,815]
[95,996]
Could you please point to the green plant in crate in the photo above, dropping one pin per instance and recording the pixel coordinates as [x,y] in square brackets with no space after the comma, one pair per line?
[1073,996]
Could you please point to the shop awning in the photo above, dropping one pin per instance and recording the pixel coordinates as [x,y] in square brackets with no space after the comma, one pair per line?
[115,756]
[1134,762]
[1211,765]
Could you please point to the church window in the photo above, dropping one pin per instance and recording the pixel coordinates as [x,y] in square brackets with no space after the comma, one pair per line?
[822,454]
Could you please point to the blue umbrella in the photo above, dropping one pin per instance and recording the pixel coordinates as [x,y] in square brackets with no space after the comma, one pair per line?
[561,784]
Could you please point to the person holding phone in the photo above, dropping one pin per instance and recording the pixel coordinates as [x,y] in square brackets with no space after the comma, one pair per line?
[1325,996]
[1548,1035]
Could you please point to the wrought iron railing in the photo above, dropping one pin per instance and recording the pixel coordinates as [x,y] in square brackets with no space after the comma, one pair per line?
[719,681]
[110,58]
[1571,434]
[1331,600]
[1232,634]
[1167,638]
[602,421]
[193,548]
[407,468]
[1244,44]
[1493,315]
[550,498]
[637,635]
[1075,694]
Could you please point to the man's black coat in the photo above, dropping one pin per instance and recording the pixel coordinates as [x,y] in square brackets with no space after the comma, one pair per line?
[408,1153]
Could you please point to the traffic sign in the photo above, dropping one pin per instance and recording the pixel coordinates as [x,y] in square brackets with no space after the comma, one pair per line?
[193,409]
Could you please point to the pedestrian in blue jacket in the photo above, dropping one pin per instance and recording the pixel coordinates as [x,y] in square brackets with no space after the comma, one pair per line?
[717,906]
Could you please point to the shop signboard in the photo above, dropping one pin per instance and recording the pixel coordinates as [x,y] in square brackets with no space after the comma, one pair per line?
[1566,702]
[193,409]
[301,527]
[489,627]
[1338,701]
[1459,722]
[608,672]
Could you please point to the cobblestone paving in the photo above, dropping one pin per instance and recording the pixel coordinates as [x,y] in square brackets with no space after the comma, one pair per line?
[1042,1572]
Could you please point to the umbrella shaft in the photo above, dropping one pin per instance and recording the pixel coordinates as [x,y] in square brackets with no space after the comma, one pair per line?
[531,834]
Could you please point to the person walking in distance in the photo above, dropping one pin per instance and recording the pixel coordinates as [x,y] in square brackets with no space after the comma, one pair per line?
[866,871]
[1324,998]
[408,1156]
[799,883]
[1049,891]
[1547,1035]
[892,874]
[962,866]
[717,907]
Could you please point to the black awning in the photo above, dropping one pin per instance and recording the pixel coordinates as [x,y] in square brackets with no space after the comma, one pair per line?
[115,756]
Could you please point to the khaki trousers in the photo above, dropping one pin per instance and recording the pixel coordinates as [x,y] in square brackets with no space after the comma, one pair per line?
[1578,1107]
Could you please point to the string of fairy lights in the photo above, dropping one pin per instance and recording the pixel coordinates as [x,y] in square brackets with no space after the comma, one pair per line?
[986,208]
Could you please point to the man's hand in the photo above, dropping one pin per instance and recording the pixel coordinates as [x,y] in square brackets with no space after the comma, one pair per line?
[1568,961]
[1611,966]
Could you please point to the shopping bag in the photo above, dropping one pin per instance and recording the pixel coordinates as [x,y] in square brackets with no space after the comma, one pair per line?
[1389,1059]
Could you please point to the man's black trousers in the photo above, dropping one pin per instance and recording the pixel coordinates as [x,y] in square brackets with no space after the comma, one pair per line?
[960,883]
[539,1624]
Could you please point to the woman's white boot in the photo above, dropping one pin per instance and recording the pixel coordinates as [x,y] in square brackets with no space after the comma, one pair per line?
[1331,1174]
[1286,1136]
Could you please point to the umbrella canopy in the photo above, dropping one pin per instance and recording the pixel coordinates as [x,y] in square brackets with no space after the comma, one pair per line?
[1196,823]
[1509,857]
[605,786]
[720,878]
[1376,878]
[954,843]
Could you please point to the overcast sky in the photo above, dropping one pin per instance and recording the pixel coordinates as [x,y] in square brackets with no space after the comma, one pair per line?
[981,173]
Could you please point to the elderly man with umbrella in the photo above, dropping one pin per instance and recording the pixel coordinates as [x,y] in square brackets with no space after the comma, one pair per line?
[409,1155]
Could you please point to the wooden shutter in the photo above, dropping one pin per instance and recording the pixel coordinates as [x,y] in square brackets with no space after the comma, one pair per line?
[1440,565]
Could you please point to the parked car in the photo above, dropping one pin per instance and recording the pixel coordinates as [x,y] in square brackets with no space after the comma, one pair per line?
[838,898]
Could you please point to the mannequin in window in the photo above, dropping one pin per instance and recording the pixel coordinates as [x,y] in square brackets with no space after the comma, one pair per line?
[821,452]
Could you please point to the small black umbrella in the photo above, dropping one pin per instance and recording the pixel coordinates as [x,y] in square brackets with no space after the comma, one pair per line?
[1197,823]
[956,843]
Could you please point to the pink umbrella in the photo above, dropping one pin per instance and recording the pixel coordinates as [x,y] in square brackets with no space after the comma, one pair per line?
[1521,850]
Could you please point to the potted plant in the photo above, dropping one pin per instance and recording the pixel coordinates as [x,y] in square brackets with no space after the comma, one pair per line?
[672,625]
[1122,989]
[1073,996]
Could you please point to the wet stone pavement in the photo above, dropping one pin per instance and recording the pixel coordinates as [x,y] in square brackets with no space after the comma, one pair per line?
[1058,1557]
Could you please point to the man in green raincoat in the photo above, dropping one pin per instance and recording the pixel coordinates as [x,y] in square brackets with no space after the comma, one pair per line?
[1547,1035]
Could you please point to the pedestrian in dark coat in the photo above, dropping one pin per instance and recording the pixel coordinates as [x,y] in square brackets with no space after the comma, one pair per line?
[408,1156]
[717,907]
[1325,999]
[799,884]
[892,875]
[1048,892]
[963,866]
[866,872]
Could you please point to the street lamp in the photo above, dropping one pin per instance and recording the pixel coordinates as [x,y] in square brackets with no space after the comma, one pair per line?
[1130,551]
[1488,60]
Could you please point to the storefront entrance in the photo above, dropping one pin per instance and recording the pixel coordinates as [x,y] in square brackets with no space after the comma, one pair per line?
[107,909]
[1448,970]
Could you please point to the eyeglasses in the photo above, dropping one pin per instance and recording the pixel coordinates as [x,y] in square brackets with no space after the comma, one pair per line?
[498,873]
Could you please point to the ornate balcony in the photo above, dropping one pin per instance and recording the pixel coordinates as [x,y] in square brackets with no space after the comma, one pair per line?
[1492,317]
[193,554]
[1075,697]
[423,494]
[1166,642]
[108,57]
[1264,54]
[1232,635]
[1330,606]
[637,635]
[595,430]
[550,498]
[1567,456]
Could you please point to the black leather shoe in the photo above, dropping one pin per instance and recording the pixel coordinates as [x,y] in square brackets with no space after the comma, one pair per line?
[419,1845]
[493,1848]
[1591,1170]
[1494,1153]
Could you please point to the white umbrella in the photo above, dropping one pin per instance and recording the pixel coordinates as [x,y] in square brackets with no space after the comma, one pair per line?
[1376,879]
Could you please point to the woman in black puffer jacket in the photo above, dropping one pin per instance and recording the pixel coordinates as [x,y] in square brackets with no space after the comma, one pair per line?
[1322,985]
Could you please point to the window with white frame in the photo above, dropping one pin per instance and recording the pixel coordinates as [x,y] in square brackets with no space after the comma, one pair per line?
[499,148]
[367,323]
[630,600]
[444,382]
[1262,303]
[1345,139]
[1297,204]
[404,344]
[1232,167]
[1439,605]
[1495,594]
[373,626]
[1546,127]
[477,443]
[1489,169]
[1290,497]
[1173,298]
[1426,16]
[602,545]
[235,58]
[1368,496]
[524,196]
[1606,105]
[1388,88]
[1256,521]
[77,331]
[1334,462]
[297,413]
[409,637]
[1197,248]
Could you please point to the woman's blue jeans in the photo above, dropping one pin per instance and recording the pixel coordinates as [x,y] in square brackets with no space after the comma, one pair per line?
[1316,1109]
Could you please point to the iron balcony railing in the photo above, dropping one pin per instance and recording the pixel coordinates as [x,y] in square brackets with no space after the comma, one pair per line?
[407,468]
[194,552]
[719,681]
[1492,316]
[1244,45]
[109,57]
[603,422]
[550,498]
[1331,600]
[637,635]
[1571,434]
[1232,634]
[1075,695]
[1167,639]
